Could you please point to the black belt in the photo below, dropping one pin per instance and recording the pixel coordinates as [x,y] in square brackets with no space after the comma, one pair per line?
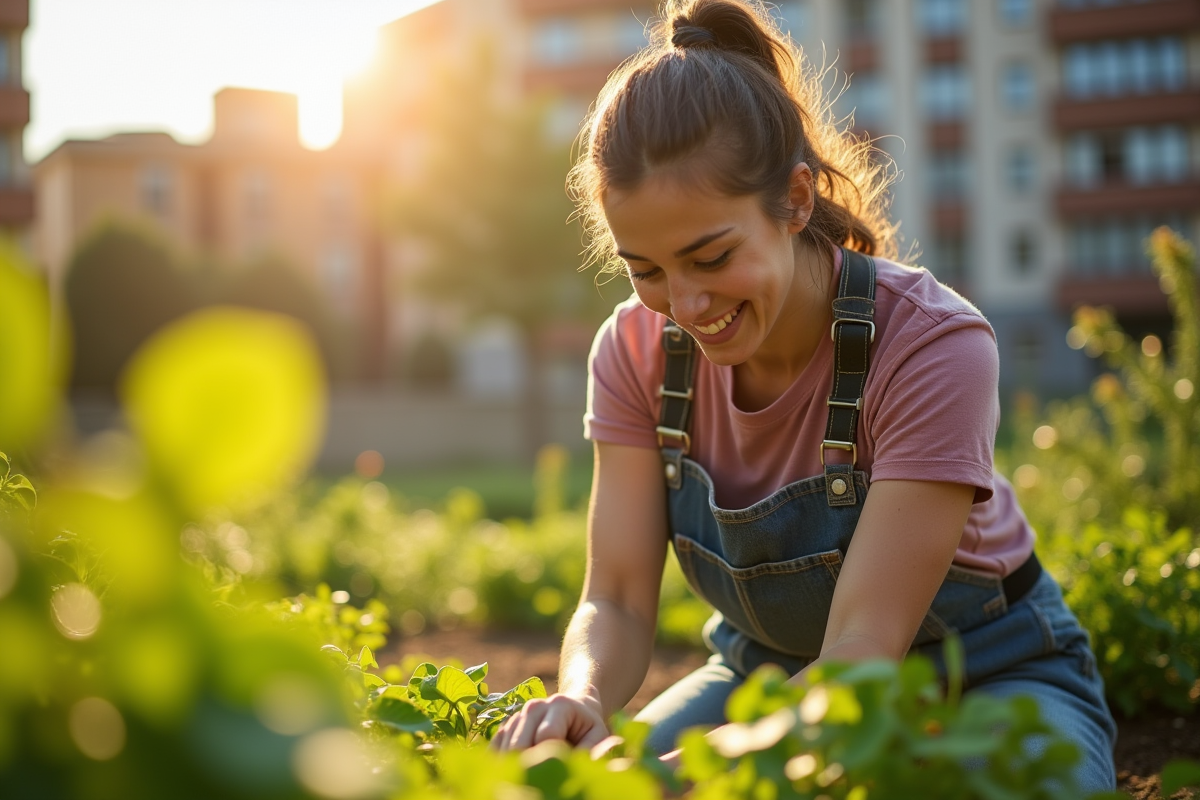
[1021,580]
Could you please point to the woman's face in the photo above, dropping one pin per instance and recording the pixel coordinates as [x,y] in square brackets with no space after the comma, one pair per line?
[718,266]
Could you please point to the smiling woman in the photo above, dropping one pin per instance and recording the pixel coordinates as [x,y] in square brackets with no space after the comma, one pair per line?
[807,422]
[146,64]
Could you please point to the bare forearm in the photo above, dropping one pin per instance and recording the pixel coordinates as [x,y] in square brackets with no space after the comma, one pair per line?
[605,654]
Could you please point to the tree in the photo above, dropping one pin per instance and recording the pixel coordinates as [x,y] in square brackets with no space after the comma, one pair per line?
[491,207]
[123,283]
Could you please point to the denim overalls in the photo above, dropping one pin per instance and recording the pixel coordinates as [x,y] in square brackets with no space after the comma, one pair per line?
[770,570]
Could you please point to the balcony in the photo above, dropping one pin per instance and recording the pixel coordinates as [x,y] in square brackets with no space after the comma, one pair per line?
[16,205]
[573,79]
[14,106]
[561,6]
[943,50]
[1117,112]
[1135,294]
[1122,21]
[949,217]
[862,55]
[947,135]
[14,14]
[1122,198]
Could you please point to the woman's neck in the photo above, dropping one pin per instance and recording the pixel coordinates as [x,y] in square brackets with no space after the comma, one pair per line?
[802,326]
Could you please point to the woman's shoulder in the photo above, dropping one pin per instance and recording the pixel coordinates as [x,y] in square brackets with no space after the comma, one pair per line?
[911,304]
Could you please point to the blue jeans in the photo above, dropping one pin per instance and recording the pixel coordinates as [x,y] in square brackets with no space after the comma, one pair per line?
[1064,681]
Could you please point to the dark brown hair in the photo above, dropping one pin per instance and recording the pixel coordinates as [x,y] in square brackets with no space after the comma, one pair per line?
[721,96]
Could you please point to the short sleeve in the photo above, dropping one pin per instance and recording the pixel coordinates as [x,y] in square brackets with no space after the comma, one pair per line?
[624,367]
[936,418]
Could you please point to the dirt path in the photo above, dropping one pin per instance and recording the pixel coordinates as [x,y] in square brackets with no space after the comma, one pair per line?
[1144,745]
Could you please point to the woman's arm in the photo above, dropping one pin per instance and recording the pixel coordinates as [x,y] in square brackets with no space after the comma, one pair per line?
[607,647]
[901,551]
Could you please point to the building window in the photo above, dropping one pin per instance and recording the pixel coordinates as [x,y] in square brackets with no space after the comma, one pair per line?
[6,72]
[631,35]
[1023,253]
[156,190]
[948,175]
[791,16]
[947,260]
[945,92]
[1140,156]
[1129,66]
[557,41]
[866,98]
[937,18]
[863,18]
[6,159]
[1015,13]
[563,118]
[1020,169]
[1115,246]
[1017,87]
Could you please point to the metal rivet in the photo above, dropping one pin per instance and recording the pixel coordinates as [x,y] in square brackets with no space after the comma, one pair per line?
[839,486]
[671,471]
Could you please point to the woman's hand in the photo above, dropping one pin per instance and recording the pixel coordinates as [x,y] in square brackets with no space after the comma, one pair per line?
[577,720]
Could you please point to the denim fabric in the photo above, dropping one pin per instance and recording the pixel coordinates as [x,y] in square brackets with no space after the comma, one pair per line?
[770,570]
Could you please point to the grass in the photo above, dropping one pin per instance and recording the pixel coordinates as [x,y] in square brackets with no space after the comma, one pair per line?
[507,490]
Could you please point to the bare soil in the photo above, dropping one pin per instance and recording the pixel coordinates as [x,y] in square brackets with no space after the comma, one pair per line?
[1144,745]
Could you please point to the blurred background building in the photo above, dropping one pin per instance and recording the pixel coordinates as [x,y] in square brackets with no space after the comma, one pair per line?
[16,195]
[1039,142]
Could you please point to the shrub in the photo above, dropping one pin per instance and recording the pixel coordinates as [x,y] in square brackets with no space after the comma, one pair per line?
[1111,482]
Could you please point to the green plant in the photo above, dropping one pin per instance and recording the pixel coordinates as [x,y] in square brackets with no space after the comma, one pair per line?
[1111,482]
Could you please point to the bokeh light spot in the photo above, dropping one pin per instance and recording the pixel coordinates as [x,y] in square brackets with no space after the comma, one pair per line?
[369,464]
[1027,476]
[1045,437]
[1184,389]
[1151,346]
[97,728]
[76,611]
[333,763]
[290,705]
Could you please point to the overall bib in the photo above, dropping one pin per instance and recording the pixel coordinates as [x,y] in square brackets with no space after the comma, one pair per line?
[770,570]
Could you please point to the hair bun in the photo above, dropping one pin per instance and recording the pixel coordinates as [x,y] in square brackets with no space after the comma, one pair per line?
[686,35]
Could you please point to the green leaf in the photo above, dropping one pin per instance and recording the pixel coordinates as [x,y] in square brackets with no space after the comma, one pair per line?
[1179,774]
[450,684]
[22,490]
[477,673]
[400,714]
[366,658]
[29,371]
[229,403]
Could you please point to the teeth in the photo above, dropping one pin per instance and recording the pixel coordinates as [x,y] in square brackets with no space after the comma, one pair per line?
[720,324]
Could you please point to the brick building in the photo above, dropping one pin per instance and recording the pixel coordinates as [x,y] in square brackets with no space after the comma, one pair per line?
[16,196]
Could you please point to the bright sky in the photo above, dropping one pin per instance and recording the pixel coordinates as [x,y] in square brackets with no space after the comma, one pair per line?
[95,67]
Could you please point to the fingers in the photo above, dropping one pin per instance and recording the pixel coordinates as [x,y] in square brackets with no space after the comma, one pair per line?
[559,717]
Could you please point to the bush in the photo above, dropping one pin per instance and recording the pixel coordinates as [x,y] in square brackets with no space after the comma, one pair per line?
[1111,482]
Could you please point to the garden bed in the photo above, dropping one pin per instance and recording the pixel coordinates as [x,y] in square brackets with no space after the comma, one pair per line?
[1144,744]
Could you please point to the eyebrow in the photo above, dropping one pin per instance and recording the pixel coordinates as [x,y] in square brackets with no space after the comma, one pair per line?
[691,248]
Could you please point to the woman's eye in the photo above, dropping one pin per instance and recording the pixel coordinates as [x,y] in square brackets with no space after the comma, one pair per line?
[641,276]
[716,262]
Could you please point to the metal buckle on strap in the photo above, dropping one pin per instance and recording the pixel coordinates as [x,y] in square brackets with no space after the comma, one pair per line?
[665,392]
[836,445]
[856,405]
[682,436]
[836,322]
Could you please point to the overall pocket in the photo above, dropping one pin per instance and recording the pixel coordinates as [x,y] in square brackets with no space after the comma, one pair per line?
[783,604]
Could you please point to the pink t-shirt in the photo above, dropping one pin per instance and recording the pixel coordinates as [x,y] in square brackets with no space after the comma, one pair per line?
[930,409]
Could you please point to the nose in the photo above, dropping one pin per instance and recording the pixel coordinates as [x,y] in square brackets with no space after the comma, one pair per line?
[689,302]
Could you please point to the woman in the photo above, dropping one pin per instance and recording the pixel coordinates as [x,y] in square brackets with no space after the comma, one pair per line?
[809,423]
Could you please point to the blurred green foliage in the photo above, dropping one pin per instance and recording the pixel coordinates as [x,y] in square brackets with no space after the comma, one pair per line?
[1111,482]
[126,280]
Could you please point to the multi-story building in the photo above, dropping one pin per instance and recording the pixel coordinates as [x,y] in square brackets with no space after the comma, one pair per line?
[16,196]
[250,190]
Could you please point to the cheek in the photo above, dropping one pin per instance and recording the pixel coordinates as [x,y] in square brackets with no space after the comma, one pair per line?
[651,297]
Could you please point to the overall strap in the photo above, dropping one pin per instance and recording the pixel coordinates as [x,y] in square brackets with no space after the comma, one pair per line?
[676,392]
[853,332]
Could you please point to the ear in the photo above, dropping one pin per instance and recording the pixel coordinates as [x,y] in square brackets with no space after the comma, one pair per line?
[802,195]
